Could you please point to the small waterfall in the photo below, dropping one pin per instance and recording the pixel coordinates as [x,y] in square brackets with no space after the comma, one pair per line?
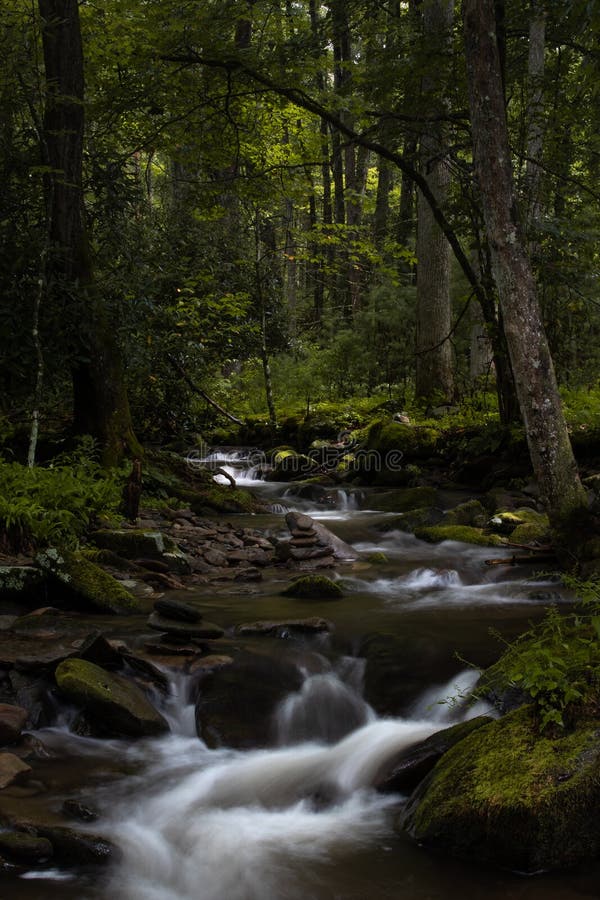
[326,708]
[177,708]
[450,702]
[245,827]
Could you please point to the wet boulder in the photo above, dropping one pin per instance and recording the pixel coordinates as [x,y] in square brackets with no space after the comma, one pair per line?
[472,513]
[509,795]
[76,848]
[12,769]
[464,534]
[402,501]
[236,703]
[284,628]
[12,723]
[306,533]
[176,628]
[111,703]
[78,583]
[135,543]
[403,773]
[23,848]
[314,587]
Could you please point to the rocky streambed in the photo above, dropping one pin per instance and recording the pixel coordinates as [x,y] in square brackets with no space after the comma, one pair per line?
[230,723]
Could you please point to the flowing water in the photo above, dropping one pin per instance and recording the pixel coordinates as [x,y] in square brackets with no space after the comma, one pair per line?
[300,819]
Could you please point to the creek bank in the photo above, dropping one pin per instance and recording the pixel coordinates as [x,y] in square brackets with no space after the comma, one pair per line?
[508,795]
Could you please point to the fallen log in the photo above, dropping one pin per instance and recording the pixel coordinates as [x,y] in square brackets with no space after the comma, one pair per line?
[515,560]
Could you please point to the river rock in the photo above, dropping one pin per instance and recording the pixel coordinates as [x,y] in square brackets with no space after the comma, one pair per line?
[403,773]
[508,795]
[208,663]
[314,587]
[112,703]
[185,630]
[215,558]
[77,848]
[325,538]
[235,703]
[22,847]
[176,609]
[32,692]
[282,629]
[76,809]
[12,769]
[253,555]
[12,723]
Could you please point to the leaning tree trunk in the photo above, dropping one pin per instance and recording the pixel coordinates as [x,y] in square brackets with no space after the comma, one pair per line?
[100,400]
[434,371]
[551,454]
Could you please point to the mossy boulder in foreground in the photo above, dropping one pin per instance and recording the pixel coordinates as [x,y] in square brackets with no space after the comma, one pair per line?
[112,703]
[507,795]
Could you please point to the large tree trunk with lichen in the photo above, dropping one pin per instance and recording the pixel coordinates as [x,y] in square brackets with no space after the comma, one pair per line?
[101,408]
[551,454]
[434,370]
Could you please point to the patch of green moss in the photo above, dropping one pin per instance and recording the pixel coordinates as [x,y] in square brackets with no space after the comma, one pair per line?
[314,587]
[118,704]
[470,513]
[509,795]
[413,519]
[86,583]
[377,558]
[402,500]
[464,533]
[535,527]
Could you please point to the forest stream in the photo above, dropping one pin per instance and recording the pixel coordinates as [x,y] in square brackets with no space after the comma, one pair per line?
[301,819]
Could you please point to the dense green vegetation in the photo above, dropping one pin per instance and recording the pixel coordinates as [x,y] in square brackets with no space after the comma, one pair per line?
[237,216]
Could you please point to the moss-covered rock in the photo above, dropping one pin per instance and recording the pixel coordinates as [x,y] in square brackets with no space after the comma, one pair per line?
[133,543]
[509,796]
[470,513]
[78,582]
[112,704]
[465,534]
[535,527]
[288,465]
[21,847]
[403,773]
[403,500]
[377,558]
[424,516]
[314,587]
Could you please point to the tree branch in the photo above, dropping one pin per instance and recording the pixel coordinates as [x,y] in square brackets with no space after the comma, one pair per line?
[300,98]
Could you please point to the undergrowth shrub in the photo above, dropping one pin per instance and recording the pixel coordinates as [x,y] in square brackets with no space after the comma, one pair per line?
[55,504]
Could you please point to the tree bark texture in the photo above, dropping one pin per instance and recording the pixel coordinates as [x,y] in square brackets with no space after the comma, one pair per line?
[550,449]
[434,369]
[100,406]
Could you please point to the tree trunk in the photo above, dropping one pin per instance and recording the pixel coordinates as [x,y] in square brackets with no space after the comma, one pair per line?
[100,406]
[551,454]
[535,120]
[434,373]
